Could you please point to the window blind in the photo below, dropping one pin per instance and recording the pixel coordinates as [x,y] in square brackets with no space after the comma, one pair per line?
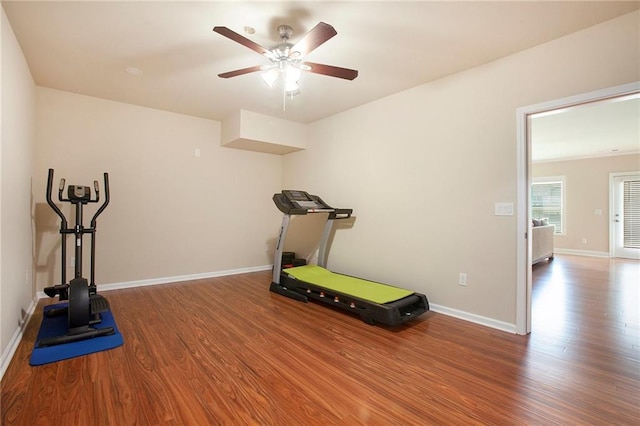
[631,214]
[546,201]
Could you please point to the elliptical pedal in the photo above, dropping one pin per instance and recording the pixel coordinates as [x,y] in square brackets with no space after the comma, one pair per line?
[99,304]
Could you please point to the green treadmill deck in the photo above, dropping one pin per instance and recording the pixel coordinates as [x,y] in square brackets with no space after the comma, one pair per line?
[363,289]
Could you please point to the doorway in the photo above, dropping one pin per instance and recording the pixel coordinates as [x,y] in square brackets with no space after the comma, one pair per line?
[624,232]
[524,150]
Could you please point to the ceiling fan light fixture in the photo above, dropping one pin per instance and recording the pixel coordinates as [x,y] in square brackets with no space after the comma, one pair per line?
[291,87]
[292,74]
[270,76]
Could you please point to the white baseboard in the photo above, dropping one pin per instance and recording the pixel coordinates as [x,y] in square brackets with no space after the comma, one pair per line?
[180,278]
[11,348]
[477,319]
[581,252]
[174,279]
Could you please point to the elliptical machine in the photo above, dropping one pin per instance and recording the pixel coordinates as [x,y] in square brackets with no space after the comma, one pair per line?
[85,304]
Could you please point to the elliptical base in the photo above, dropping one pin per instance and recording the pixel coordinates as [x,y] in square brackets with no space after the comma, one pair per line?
[85,334]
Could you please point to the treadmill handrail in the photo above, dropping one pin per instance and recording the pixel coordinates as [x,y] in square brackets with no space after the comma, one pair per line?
[341,213]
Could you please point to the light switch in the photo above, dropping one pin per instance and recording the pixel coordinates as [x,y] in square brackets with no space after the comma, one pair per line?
[504,209]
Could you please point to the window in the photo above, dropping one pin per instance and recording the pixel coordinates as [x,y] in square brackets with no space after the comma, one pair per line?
[547,200]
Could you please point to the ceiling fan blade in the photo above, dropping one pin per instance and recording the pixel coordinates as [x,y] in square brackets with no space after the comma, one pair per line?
[314,38]
[240,72]
[330,70]
[241,39]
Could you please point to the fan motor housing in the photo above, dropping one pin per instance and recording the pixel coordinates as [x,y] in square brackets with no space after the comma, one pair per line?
[285,32]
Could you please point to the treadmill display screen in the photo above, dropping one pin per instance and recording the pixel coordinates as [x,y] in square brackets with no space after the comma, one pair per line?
[296,195]
[309,204]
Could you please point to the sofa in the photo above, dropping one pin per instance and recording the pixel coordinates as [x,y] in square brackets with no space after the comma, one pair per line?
[541,240]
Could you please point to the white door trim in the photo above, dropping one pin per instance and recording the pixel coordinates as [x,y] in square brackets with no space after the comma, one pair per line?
[523,177]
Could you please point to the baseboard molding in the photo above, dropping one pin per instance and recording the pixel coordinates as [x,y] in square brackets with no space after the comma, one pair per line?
[581,252]
[178,278]
[477,319]
[11,348]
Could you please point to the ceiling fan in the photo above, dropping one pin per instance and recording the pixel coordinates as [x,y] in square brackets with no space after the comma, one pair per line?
[287,59]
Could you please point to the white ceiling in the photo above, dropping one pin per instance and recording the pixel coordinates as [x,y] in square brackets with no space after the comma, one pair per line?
[609,127]
[85,47]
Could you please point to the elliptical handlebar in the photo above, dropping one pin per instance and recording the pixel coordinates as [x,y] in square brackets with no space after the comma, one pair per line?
[50,201]
[106,198]
[96,187]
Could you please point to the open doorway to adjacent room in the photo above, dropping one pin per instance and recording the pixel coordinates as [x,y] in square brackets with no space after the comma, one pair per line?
[539,142]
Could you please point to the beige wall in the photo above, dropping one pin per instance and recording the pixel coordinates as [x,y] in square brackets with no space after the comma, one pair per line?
[171,213]
[16,161]
[423,168]
[587,190]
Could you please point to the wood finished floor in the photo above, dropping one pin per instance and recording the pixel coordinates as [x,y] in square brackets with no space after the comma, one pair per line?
[227,351]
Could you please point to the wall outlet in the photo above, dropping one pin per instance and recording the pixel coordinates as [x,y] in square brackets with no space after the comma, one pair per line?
[23,317]
[462,278]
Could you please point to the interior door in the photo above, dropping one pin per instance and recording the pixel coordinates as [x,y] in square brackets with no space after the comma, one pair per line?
[625,215]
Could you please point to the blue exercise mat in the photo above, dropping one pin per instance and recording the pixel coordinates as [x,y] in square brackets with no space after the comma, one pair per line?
[57,326]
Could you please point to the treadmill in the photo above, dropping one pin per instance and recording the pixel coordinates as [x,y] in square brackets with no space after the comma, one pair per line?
[374,302]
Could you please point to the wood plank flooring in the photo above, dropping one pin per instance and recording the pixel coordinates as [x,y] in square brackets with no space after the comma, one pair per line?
[227,351]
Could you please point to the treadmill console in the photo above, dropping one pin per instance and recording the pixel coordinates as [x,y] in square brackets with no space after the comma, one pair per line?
[295,202]
[303,200]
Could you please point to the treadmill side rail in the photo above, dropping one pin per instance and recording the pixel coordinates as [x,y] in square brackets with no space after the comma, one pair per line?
[284,291]
[392,313]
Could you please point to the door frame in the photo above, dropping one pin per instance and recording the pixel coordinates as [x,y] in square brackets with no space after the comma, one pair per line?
[523,178]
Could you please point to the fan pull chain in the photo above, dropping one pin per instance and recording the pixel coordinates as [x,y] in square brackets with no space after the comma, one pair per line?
[284,97]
